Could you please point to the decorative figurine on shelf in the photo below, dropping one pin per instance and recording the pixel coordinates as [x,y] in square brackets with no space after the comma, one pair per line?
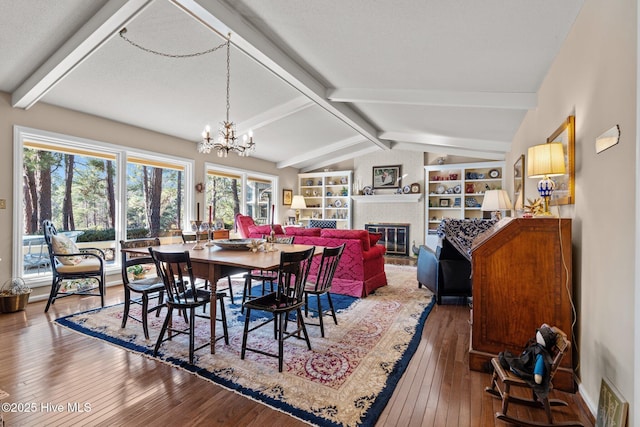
[534,207]
[534,364]
[470,188]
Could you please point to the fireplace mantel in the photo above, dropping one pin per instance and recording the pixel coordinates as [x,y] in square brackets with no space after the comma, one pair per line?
[388,198]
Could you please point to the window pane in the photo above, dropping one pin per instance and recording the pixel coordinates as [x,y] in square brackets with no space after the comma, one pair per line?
[155,199]
[223,196]
[259,200]
[72,188]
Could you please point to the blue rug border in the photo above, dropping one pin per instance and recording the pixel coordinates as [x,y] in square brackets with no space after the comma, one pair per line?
[370,417]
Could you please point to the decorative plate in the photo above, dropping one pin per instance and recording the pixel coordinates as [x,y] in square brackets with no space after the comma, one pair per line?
[480,176]
[406,189]
[457,189]
[367,190]
[234,244]
[494,173]
[440,189]
[471,202]
[337,203]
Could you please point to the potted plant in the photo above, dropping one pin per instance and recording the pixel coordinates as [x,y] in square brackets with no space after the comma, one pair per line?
[138,271]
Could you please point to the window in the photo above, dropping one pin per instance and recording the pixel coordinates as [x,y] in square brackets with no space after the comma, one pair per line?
[232,191]
[95,192]
[155,198]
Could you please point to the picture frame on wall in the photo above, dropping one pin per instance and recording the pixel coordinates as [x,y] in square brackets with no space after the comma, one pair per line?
[387,176]
[287,197]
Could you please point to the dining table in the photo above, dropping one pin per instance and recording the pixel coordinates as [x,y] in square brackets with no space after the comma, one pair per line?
[213,263]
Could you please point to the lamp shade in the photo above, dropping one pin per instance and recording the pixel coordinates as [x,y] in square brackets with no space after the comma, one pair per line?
[545,160]
[496,200]
[298,203]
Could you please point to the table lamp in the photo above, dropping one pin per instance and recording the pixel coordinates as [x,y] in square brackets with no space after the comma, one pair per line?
[298,203]
[543,161]
[496,201]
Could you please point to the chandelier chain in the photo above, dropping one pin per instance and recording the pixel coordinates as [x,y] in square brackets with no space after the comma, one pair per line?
[169,55]
[228,75]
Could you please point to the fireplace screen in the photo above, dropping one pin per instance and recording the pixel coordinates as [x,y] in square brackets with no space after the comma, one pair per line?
[395,237]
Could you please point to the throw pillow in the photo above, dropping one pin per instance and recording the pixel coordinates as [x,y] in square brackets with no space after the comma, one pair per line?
[63,245]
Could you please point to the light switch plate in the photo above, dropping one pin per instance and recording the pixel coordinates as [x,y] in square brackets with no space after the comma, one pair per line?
[3,203]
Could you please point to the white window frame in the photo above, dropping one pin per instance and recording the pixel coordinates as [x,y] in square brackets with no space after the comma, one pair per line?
[244,175]
[121,153]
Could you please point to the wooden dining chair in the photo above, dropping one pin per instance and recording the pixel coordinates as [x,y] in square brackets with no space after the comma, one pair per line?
[182,294]
[265,276]
[321,285]
[503,379]
[149,288]
[288,297]
[191,237]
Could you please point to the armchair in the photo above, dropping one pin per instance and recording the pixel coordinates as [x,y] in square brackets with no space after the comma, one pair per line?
[70,263]
[446,272]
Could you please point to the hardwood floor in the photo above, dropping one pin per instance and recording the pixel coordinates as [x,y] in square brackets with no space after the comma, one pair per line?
[44,365]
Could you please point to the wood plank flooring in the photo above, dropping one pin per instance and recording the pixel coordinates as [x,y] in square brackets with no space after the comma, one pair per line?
[43,365]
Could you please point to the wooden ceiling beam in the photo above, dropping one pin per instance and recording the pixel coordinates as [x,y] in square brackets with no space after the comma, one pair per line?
[440,98]
[96,32]
[219,17]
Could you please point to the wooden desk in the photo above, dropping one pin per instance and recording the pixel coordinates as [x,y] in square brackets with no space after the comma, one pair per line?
[210,262]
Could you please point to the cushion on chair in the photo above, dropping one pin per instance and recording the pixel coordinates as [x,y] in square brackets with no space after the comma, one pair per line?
[63,245]
[243,222]
[86,265]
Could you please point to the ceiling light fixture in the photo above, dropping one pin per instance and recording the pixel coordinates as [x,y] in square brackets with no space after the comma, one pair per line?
[227,140]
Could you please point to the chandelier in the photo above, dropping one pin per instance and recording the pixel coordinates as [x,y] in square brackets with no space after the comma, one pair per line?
[227,140]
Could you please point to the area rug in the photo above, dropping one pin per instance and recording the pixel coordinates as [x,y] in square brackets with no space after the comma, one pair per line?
[345,380]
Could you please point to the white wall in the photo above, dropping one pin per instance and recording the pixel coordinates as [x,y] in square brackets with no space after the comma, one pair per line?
[594,78]
[63,121]
[412,213]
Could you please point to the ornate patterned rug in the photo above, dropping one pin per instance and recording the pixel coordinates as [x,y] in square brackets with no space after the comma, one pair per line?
[345,380]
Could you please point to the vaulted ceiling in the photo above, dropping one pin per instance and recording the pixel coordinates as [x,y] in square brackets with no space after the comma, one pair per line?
[318,82]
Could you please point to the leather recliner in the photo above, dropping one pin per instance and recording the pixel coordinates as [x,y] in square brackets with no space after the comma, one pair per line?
[446,272]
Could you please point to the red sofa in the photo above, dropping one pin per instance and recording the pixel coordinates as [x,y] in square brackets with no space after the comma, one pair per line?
[361,268]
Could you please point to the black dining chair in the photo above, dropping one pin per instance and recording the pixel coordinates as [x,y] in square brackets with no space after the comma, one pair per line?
[321,285]
[149,288]
[263,275]
[288,297]
[182,294]
[228,272]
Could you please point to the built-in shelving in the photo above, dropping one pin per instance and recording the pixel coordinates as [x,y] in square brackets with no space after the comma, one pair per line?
[327,196]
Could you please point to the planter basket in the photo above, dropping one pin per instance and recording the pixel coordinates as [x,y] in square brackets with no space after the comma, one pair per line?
[14,296]
[13,303]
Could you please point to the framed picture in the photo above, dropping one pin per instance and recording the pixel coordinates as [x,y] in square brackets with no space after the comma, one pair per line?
[564,194]
[387,176]
[287,197]
[518,183]
[612,408]
[444,203]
